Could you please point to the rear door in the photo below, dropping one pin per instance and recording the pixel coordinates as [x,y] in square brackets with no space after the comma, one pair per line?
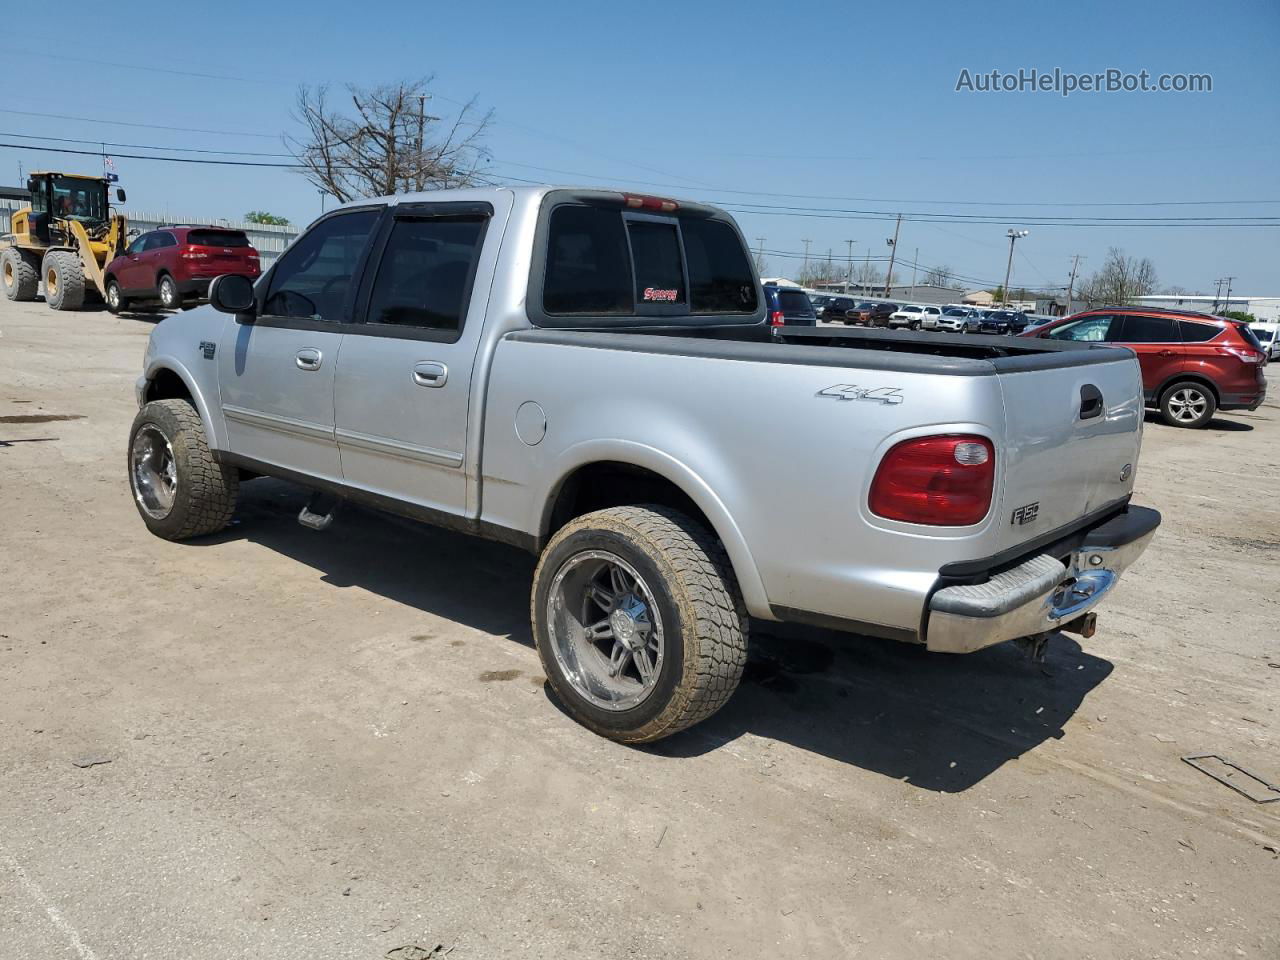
[403,389]
[1158,344]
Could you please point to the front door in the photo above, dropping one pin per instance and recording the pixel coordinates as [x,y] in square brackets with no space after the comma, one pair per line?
[129,273]
[402,394]
[276,369]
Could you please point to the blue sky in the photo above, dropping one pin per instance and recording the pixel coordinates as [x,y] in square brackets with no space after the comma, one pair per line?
[848,100]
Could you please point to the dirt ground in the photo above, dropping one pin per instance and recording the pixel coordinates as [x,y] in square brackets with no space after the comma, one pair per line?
[279,744]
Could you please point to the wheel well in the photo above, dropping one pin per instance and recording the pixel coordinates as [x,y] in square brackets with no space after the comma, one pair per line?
[167,385]
[1194,378]
[598,486]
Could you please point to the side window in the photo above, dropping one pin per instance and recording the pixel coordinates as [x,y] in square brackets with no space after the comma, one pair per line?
[655,254]
[1193,332]
[161,239]
[588,268]
[1090,330]
[1135,328]
[720,279]
[139,244]
[424,277]
[313,277]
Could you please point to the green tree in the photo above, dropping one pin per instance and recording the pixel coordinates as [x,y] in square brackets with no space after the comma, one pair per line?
[1241,316]
[261,216]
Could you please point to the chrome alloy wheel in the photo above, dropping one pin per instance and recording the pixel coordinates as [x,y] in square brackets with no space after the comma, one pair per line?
[606,630]
[113,296]
[154,472]
[1187,405]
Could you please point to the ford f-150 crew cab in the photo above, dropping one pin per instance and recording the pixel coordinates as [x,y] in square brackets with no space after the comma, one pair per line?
[591,375]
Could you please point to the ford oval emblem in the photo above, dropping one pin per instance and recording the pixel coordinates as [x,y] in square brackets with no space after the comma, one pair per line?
[1126,471]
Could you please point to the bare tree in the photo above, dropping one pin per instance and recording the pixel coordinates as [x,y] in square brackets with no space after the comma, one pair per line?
[938,276]
[385,142]
[1121,279]
[867,275]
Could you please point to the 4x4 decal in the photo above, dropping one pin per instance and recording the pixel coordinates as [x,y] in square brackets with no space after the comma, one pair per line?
[849,391]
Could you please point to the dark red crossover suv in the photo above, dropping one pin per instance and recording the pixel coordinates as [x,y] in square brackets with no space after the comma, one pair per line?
[175,264]
[1192,364]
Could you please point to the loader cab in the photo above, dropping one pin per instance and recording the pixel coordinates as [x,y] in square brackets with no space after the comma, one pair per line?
[60,196]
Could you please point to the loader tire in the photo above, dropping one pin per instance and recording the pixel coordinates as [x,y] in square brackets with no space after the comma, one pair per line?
[18,276]
[63,275]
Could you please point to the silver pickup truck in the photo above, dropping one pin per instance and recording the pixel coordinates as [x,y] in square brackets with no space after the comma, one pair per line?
[593,376]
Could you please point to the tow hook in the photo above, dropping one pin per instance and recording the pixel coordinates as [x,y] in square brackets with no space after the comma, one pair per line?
[1035,646]
[1085,625]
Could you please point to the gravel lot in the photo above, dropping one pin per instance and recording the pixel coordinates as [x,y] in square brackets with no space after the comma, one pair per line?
[333,745]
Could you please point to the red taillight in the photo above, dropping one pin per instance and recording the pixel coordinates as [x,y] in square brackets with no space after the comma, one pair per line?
[776,319]
[1247,354]
[943,481]
[190,252]
[641,202]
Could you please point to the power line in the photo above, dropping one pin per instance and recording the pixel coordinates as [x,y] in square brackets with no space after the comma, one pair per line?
[140,146]
[148,126]
[138,156]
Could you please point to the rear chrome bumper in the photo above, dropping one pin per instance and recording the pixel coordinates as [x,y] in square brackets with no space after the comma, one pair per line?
[1040,594]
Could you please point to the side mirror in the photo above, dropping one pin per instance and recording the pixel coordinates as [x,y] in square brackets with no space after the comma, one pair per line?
[120,194]
[231,293]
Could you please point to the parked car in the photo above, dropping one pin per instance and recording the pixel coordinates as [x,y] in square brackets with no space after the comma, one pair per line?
[566,370]
[915,317]
[836,309]
[789,305]
[1192,364]
[957,320]
[175,265]
[1003,321]
[1035,320]
[879,314]
[862,312]
[1268,335]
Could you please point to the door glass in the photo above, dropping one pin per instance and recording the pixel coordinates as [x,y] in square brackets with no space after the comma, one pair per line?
[1089,330]
[655,251]
[424,279]
[1193,332]
[1135,328]
[312,278]
[139,244]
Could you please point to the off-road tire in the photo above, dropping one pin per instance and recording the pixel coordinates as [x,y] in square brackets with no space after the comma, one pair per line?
[167,290]
[63,276]
[18,275]
[1174,397]
[697,596]
[206,494]
[117,303]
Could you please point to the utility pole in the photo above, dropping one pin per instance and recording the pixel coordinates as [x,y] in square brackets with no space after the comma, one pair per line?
[866,272]
[848,275]
[419,180]
[1013,236]
[1217,293]
[805,269]
[321,192]
[893,252]
[1226,306]
[1071,284]
[759,254]
[915,260]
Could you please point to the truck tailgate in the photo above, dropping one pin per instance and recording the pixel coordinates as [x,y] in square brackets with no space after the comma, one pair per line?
[1072,439]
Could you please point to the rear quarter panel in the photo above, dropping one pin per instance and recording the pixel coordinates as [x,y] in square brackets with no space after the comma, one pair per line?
[781,472]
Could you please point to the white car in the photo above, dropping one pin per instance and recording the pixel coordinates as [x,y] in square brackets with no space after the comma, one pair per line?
[913,315]
[1268,335]
[958,320]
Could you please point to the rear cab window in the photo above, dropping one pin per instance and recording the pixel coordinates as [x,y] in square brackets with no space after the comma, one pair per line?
[604,258]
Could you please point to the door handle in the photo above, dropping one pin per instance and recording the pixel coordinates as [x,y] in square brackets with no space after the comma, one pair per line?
[428,373]
[308,359]
[1167,353]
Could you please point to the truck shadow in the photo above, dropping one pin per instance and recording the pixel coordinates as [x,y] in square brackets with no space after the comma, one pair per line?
[939,722]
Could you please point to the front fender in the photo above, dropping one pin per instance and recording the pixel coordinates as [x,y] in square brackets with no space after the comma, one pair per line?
[214,427]
[683,476]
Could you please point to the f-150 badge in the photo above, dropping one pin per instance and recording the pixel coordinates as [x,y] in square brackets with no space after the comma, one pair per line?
[848,391]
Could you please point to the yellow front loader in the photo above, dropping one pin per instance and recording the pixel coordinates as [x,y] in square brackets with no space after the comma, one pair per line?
[64,239]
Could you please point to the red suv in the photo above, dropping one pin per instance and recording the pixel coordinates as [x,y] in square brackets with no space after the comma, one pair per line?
[175,264]
[1192,364]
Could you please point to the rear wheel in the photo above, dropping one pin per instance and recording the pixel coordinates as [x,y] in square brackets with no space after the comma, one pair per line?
[115,301]
[18,275]
[170,298]
[1188,404]
[63,280]
[638,622]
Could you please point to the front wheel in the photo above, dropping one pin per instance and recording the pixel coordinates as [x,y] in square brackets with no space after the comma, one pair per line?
[1188,404]
[115,301]
[179,489]
[638,622]
[63,280]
